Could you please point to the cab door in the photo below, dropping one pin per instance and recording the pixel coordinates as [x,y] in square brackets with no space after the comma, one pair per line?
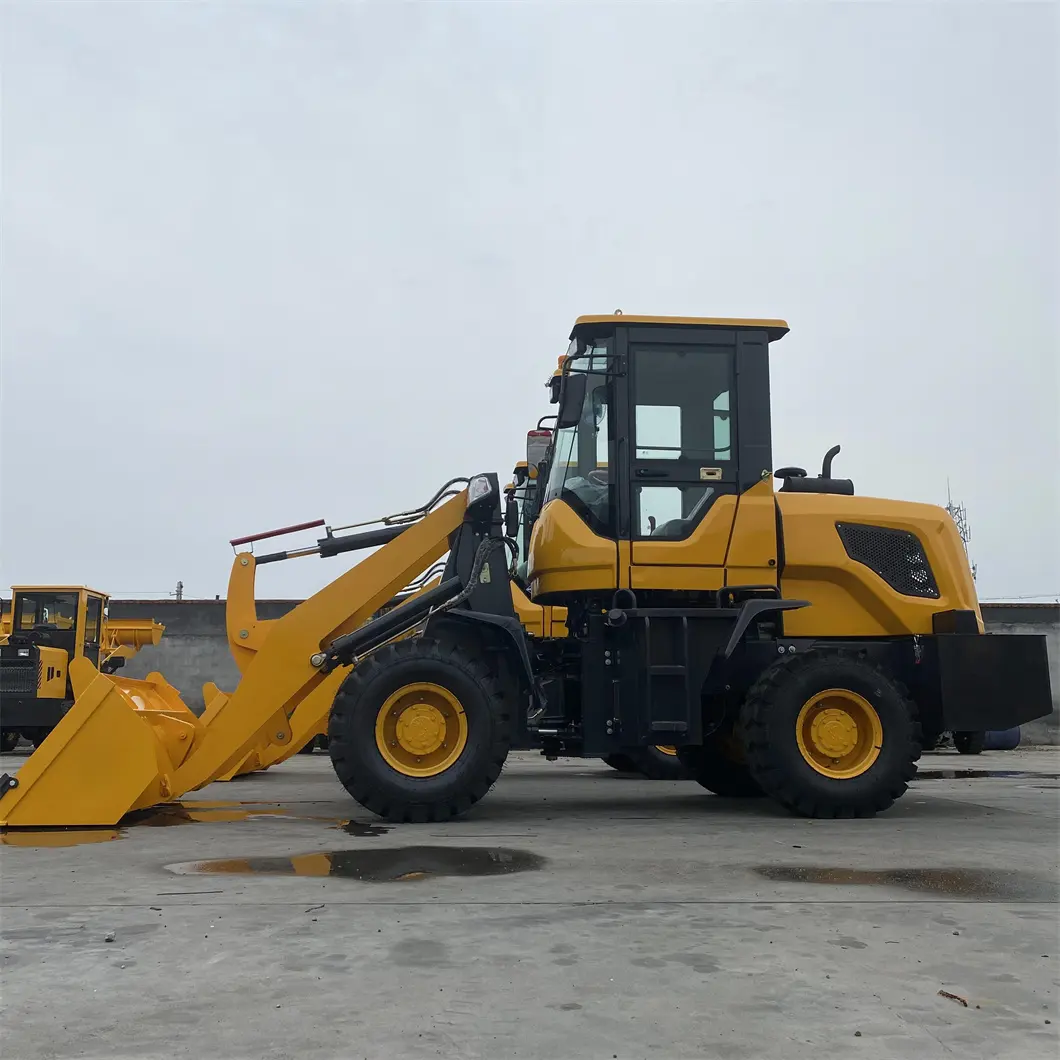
[683,468]
[92,628]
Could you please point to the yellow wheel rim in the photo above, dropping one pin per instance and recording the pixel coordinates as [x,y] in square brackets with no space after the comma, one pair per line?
[839,733]
[671,751]
[421,730]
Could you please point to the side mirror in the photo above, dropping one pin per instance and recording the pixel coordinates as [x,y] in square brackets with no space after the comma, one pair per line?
[537,443]
[571,400]
[511,516]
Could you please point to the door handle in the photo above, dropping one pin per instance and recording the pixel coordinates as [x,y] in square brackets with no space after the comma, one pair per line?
[647,472]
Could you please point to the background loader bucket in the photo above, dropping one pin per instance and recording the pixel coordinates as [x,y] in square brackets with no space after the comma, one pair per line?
[114,751]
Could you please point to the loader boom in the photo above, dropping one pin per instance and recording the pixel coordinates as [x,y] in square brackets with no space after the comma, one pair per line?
[107,756]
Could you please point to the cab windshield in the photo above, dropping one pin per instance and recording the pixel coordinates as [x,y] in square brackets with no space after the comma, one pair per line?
[578,473]
[52,611]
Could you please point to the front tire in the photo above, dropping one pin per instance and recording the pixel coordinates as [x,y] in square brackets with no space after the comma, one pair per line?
[829,734]
[419,731]
[8,741]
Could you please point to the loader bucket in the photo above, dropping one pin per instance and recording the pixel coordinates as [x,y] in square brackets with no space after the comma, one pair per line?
[127,745]
[114,751]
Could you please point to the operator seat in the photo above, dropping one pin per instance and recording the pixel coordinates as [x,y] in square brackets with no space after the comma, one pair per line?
[675,529]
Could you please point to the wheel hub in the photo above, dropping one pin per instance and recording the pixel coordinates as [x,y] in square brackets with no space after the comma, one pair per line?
[421,728]
[834,732]
[839,733]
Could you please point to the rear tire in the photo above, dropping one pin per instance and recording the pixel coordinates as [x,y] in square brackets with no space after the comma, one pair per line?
[657,764]
[829,734]
[623,763]
[8,740]
[716,767]
[970,743]
[419,731]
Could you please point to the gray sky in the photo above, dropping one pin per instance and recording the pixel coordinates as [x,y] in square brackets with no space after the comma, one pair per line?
[265,263]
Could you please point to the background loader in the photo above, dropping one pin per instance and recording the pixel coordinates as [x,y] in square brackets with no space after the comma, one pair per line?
[46,627]
[795,643]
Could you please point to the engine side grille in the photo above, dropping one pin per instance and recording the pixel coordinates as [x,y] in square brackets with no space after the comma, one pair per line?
[19,677]
[897,556]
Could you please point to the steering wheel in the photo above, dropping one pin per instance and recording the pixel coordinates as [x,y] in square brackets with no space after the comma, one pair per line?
[598,477]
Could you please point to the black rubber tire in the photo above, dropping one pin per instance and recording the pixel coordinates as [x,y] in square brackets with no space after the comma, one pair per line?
[363,771]
[969,743]
[768,718]
[8,740]
[719,772]
[310,747]
[654,764]
[623,763]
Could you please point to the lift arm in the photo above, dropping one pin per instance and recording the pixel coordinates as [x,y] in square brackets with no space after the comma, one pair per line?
[107,756]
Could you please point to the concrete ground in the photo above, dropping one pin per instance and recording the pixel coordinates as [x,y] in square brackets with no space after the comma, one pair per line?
[597,915]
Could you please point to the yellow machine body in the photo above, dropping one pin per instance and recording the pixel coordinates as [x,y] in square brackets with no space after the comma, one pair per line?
[736,545]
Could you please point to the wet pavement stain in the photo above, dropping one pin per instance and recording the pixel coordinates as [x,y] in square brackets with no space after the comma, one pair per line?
[382,865]
[362,829]
[977,774]
[57,837]
[979,884]
[168,815]
[172,814]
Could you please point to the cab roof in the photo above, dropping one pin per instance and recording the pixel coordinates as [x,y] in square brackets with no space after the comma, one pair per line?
[775,329]
[58,589]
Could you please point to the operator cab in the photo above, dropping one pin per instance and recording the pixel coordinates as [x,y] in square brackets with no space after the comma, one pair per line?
[663,422]
[59,617]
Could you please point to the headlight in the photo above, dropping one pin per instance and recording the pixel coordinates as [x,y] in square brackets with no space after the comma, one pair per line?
[478,489]
[23,653]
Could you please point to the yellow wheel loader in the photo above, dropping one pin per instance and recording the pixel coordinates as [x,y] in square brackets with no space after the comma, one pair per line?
[46,628]
[798,642]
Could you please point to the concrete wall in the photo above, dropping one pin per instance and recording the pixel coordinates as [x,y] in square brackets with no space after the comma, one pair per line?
[194,648]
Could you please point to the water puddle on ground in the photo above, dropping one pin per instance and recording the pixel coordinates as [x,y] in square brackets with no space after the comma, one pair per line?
[57,837]
[168,815]
[381,865]
[978,884]
[193,811]
[975,774]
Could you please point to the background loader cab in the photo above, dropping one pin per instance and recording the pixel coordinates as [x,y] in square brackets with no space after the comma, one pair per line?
[46,628]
